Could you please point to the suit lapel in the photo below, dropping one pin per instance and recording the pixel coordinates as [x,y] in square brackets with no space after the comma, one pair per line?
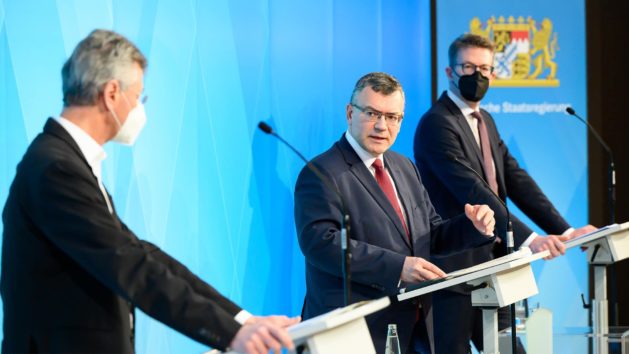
[401,185]
[54,128]
[464,127]
[493,142]
[362,174]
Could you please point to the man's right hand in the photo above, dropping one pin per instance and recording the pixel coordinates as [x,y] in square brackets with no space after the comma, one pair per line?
[553,243]
[263,334]
[417,269]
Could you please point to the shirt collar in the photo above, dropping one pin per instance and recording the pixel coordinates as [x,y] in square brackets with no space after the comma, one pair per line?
[465,109]
[366,157]
[92,151]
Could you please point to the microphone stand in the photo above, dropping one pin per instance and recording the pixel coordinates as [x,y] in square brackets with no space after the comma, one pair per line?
[345,224]
[611,169]
[510,241]
[611,203]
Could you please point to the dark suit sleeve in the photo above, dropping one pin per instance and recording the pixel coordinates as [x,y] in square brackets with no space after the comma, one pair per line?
[527,195]
[435,142]
[449,236]
[438,138]
[318,214]
[193,281]
[66,205]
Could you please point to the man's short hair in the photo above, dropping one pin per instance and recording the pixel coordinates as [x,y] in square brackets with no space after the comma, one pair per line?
[100,57]
[379,82]
[468,40]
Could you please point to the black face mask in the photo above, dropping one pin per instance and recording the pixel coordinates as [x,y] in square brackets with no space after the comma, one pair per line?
[473,87]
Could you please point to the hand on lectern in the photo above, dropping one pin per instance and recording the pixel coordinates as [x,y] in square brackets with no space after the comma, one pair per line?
[259,335]
[482,217]
[553,243]
[416,269]
[581,231]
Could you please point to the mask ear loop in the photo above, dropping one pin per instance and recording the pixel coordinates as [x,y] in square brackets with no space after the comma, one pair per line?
[455,81]
[114,113]
[129,104]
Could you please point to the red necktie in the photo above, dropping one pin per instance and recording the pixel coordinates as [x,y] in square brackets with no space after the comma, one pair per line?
[488,164]
[387,187]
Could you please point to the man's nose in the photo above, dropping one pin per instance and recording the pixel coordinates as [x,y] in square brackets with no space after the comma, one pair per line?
[381,123]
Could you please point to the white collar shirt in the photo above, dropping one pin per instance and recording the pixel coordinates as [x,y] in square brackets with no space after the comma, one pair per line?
[368,159]
[91,150]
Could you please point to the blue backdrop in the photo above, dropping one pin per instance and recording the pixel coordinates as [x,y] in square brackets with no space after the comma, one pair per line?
[216,193]
[202,182]
[529,112]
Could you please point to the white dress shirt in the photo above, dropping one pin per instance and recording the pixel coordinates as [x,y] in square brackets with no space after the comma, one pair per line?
[91,150]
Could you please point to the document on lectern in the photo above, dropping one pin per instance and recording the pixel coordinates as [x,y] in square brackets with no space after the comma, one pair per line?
[521,253]
[515,259]
[596,234]
[300,332]
[336,317]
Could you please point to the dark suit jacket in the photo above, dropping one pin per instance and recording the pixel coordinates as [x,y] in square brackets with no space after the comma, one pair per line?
[379,244]
[443,131]
[72,271]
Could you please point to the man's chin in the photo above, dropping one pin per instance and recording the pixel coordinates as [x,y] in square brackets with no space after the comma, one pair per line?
[377,151]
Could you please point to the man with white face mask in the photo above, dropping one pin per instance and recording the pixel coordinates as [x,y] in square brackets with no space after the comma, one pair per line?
[72,272]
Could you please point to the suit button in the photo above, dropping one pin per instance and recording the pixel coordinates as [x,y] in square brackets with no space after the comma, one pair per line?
[378,287]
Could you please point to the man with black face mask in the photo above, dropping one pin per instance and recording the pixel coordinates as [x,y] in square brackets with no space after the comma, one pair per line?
[456,132]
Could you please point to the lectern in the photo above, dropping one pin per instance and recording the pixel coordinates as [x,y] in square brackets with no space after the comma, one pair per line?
[607,245]
[497,283]
[340,331]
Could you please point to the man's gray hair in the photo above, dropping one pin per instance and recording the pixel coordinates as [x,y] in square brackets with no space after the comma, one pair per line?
[100,57]
[380,82]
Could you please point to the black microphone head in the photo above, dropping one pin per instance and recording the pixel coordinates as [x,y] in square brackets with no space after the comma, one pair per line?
[570,111]
[265,128]
[452,157]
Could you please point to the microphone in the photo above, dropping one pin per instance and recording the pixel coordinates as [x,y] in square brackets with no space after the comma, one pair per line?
[345,227]
[510,241]
[611,176]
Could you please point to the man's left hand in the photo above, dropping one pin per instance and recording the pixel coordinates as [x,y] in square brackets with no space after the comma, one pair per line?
[581,231]
[482,217]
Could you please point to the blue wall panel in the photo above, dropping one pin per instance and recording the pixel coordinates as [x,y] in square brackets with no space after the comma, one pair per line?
[551,146]
[202,182]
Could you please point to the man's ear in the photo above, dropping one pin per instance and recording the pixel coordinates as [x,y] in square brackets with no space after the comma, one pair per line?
[449,72]
[348,113]
[111,91]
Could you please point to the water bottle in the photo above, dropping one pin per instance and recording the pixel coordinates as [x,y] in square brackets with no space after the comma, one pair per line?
[393,343]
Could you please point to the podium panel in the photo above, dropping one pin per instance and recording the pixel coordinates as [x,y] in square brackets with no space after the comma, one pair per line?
[507,287]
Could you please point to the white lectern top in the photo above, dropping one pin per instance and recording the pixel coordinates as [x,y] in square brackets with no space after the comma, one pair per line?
[338,331]
[336,318]
[516,259]
[606,245]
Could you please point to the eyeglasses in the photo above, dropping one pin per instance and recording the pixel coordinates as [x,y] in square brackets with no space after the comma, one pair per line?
[469,69]
[392,119]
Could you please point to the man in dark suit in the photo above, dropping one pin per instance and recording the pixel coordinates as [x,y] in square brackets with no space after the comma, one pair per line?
[456,131]
[72,272]
[393,224]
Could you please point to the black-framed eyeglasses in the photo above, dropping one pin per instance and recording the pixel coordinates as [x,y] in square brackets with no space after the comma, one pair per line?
[372,115]
[469,68]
